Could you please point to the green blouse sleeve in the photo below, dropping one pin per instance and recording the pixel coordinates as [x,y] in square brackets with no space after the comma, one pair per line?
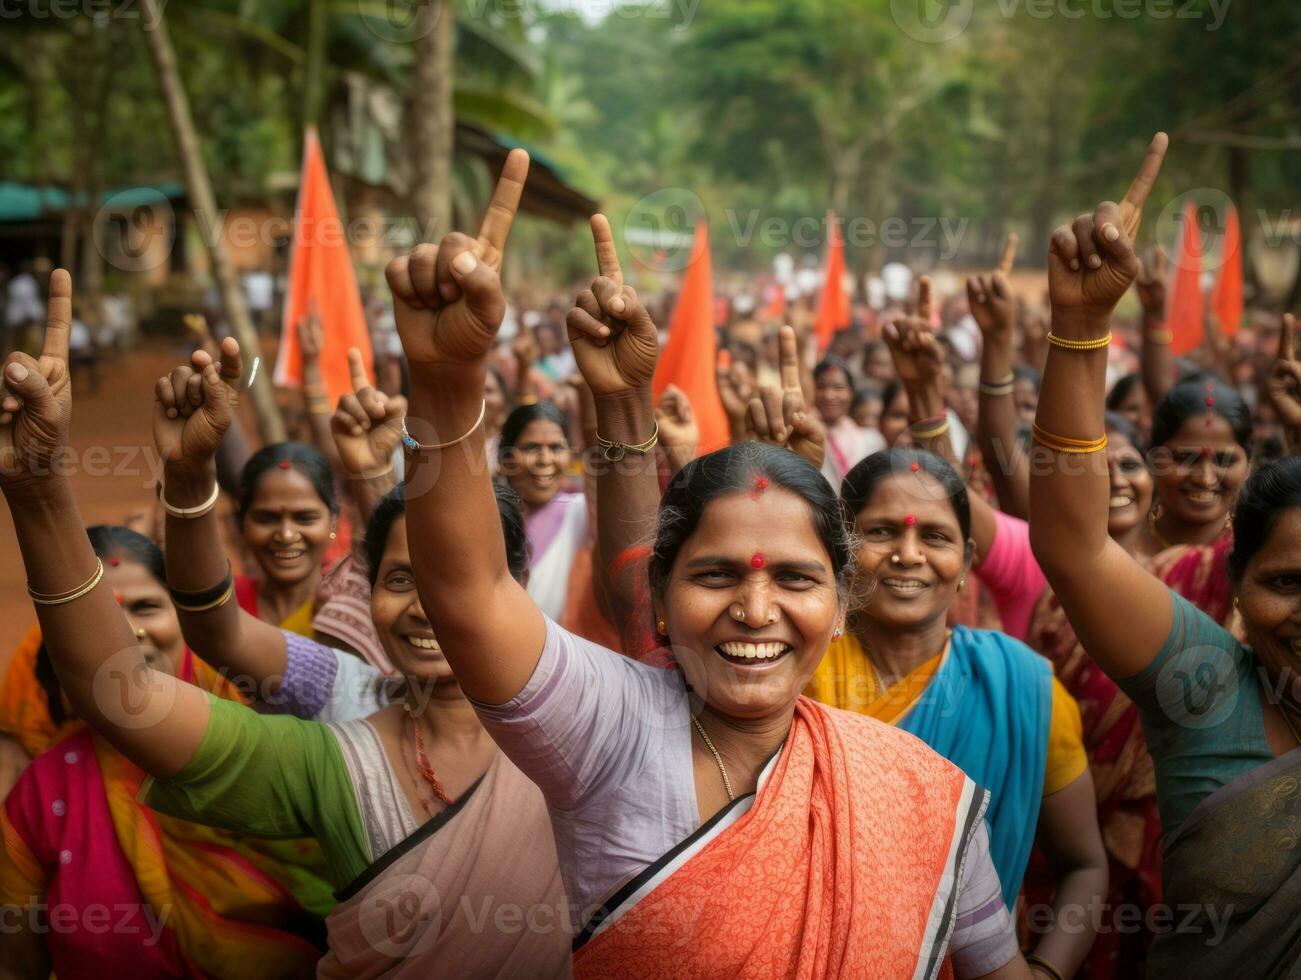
[268,776]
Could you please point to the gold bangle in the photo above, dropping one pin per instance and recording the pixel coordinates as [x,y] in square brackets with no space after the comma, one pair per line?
[933,433]
[615,451]
[1067,343]
[527,400]
[1066,444]
[59,598]
[1162,337]
[208,606]
[412,446]
[1033,959]
[319,406]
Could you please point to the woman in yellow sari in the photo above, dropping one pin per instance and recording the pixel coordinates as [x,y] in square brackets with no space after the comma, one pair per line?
[288,515]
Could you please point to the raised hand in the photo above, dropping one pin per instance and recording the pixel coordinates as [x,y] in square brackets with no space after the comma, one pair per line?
[1284,385]
[735,388]
[367,425]
[679,431]
[1092,261]
[990,297]
[447,298]
[614,340]
[781,418]
[310,334]
[918,358]
[194,405]
[36,397]
[526,349]
[1150,285]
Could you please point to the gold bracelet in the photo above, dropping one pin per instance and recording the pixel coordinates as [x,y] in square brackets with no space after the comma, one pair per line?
[1003,387]
[221,600]
[1161,337]
[59,598]
[615,451]
[1033,959]
[414,447]
[1068,344]
[933,433]
[1066,444]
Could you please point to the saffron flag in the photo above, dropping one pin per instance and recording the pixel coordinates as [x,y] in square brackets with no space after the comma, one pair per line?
[833,305]
[1187,305]
[690,354]
[1226,301]
[321,275]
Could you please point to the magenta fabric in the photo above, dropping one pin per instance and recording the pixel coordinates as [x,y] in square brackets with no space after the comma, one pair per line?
[99,922]
[1012,575]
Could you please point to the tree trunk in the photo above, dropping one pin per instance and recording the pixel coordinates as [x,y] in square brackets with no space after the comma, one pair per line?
[433,123]
[199,191]
[314,80]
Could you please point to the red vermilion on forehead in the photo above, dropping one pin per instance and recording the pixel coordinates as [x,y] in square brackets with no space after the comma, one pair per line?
[1206,452]
[757,561]
[114,562]
[284,464]
[915,467]
[910,520]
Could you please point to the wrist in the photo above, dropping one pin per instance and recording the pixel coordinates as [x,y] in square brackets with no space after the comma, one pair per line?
[48,493]
[189,483]
[925,403]
[1078,324]
[625,416]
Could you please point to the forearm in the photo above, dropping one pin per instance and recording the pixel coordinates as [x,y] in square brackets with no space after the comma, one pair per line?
[225,636]
[488,628]
[996,430]
[319,412]
[1077,907]
[231,456]
[369,490]
[926,405]
[628,495]
[150,717]
[1069,491]
[1156,361]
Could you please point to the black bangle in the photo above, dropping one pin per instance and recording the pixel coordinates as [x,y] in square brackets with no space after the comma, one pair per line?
[197,601]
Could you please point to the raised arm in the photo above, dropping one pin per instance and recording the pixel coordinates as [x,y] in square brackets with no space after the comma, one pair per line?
[367,429]
[615,346]
[919,362]
[1120,612]
[153,719]
[1284,386]
[191,418]
[994,308]
[234,452]
[1156,362]
[449,305]
[317,403]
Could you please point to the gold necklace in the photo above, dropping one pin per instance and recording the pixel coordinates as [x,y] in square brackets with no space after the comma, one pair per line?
[1157,536]
[727,783]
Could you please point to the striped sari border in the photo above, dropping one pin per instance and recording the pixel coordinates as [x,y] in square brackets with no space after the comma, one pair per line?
[972,803]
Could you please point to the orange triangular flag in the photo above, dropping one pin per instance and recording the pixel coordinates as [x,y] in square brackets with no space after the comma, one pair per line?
[1226,301]
[1187,306]
[689,355]
[833,306]
[321,275]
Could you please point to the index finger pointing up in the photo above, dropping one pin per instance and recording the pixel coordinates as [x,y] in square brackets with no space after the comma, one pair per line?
[58,319]
[1287,339]
[1009,253]
[789,357]
[607,258]
[924,298]
[505,200]
[357,369]
[1131,207]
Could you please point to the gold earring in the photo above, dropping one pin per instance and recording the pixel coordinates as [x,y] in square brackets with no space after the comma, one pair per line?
[661,628]
[140,632]
[962,583]
[333,535]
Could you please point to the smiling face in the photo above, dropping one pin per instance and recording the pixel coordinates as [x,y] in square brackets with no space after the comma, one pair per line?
[1269,599]
[1131,485]
[149,612]
[399,619]
[913,553]
[833,394]
[1199,470]
[762,558]
[536,464]
[1134,409]
[287,526]
[494,402]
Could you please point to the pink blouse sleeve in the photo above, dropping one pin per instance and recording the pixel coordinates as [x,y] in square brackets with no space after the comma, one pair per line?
[1012,575]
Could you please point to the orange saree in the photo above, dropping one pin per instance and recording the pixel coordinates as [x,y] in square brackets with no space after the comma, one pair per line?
[788,882]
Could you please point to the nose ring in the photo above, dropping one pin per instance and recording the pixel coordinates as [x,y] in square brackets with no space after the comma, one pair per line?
[139,632]
[896,560]
[737,612]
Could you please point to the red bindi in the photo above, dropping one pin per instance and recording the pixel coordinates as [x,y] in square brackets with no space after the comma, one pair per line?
[1206,452]
[1209,401]
[915,467]
[284,464]
[760,485]
[757,561]
[910,520]
[114,562]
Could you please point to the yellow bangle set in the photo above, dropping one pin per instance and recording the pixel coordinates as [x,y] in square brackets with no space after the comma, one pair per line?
[1066,444]
[1066,343]
[59,598]
[932,433]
